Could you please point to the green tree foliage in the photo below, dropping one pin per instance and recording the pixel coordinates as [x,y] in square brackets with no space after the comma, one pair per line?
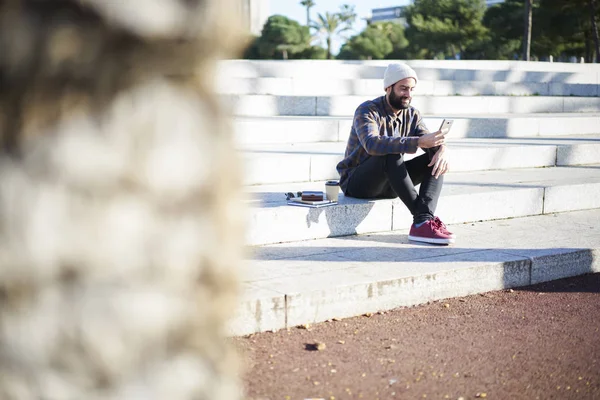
[308,4]
[313,53]
[347,14]
[504,23]
[251,51]
[283,38]
[594,27]
[445,27]
[565,29]
[378,41]
[593,7]
[561,29]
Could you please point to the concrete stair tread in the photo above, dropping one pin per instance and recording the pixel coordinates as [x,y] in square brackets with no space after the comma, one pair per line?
[295,129]
[267,105]
[272,195]
[361,98]
[489,70]
[466,197]
[289,284]
[448,115]
[336,147]
[417,96]
[305,162]
[307,86]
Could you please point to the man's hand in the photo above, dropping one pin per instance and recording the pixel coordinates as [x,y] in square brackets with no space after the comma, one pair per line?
[439,162]
[433,139]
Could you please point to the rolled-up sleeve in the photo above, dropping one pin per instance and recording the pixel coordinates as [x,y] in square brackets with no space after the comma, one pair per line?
[367,128]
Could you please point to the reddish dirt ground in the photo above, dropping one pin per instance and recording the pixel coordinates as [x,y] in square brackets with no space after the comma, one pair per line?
[537,342]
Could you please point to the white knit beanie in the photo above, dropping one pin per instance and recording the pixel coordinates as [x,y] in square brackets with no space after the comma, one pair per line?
[396,72]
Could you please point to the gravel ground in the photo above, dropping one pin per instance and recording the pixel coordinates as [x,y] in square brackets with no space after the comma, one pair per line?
[536,342]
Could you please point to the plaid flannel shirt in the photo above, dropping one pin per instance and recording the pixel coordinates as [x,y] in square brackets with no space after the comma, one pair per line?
[377,131]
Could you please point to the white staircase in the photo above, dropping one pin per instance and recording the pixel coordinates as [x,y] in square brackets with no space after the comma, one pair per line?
[525,142]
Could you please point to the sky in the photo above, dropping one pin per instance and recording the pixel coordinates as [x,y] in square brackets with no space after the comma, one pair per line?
[292,9]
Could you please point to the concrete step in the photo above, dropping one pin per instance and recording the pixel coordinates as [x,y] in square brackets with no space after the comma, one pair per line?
[467,196]
[433,70]
[304,162]
[283,129]
[373,87]
[312,281]
[266,105]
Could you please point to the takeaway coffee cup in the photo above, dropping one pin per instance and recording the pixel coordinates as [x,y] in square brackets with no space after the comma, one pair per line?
[332,189]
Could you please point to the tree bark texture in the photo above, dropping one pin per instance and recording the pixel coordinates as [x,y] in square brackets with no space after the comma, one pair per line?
[527,32]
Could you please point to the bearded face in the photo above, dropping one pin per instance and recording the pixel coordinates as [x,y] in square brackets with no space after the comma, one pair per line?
[402,100]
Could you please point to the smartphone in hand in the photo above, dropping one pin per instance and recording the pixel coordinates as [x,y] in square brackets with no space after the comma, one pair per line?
[446,125]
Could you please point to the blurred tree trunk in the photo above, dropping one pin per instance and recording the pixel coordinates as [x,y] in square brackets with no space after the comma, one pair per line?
[595,28]
[527,33]
[589,52]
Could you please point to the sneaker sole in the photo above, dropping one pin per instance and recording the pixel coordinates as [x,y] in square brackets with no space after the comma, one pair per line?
[430,240]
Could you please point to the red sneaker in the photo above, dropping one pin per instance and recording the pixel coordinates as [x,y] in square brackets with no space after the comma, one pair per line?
[429,232]
[442,227]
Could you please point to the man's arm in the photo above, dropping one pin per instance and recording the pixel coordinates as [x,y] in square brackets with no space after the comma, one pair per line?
[439,162]
[420,130]
[367,128]
[434,145]
[431,142]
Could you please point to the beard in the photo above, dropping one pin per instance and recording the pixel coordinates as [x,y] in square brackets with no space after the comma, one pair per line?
[398,102]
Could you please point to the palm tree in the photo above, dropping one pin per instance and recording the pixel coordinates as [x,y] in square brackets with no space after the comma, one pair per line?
[347,14]
[308,4]
[329,26]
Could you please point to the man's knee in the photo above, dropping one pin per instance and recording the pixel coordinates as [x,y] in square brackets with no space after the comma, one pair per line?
[393,161]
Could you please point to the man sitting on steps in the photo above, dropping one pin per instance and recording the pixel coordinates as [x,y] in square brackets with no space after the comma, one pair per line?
[373,167]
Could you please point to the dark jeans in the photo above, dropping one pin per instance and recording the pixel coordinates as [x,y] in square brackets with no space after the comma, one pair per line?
[388,177]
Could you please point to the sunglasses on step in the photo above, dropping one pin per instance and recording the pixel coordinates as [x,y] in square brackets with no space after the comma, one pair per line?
[290,195]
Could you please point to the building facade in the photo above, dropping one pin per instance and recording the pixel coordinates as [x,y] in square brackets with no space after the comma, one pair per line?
[395,14]
[391,14]
[254,14]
